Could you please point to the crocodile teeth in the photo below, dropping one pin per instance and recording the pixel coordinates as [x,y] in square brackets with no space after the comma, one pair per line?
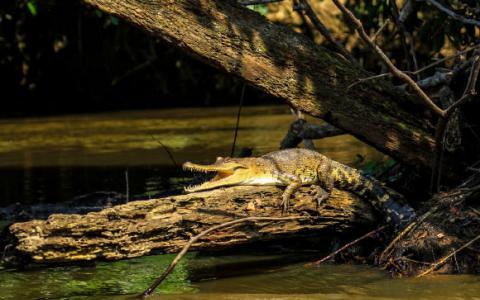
[194,169]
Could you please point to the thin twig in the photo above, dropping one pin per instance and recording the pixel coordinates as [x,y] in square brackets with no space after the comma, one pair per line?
[453,14]
[445,258]
[137,68]
[436,63]
[397,238]
[360,80]
[255,2]
[195,238]
[446,58]
[403,36]
[166,150]
[240,105]
[331,255]
[405,231]
[438,155]
[395,71]
[127,186]
[406,10]
[415,261]
[324,31]
[377,33]
[470,89]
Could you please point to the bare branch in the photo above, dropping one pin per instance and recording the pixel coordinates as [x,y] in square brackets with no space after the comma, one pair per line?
[445,258]
[447,58]
[395,71]
[360,80]
[453,14]
[407,9]
[405,37]
[384,25]
[435,80]
[470,88]
[324,31]
[301,130]
[331,255]
[436,63]
[254,2]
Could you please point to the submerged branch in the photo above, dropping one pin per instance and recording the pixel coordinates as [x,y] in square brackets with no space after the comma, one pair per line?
[194,239]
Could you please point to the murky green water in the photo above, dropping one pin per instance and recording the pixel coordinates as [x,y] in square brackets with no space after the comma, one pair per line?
[54,159]
[229,277]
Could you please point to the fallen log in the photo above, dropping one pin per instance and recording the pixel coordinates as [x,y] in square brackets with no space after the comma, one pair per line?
[164,225]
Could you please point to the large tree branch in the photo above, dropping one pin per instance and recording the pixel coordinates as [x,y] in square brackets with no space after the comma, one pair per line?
[287,65]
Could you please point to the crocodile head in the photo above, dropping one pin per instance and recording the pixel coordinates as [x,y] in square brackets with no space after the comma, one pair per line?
[231,171]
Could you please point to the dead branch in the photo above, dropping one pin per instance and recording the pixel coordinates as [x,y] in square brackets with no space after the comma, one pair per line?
[377,33]
[436,63]
[394,70]
[445,258]
[331,255]
[470,89]
[255,2]
[453,14]
[436,79]
[305,6]
[429,66]
[301,130]
[405,37]
[406,10]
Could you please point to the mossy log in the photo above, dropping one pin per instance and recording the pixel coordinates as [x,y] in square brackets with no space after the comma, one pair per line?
[164,225]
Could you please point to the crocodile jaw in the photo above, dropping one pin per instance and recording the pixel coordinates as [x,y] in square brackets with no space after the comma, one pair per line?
[228,176]
[222,178]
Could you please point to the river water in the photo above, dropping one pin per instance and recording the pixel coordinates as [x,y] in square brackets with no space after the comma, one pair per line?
[54,159]
[48,160]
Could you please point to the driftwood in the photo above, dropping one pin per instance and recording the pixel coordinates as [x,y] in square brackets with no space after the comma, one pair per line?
[164,225]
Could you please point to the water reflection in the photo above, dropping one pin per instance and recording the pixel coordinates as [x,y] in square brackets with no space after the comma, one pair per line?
[273,280]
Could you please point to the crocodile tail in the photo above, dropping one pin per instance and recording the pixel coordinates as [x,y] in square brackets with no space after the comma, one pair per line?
[392,204]
[384,199]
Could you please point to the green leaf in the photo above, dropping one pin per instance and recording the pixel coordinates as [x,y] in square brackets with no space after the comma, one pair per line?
[260,8]
[32,8]
[114,20]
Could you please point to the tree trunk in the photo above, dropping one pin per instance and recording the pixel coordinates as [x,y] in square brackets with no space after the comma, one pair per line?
[137,228]
[289,66]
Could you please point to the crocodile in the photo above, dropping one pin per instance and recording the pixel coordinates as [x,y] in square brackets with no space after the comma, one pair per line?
[297,167]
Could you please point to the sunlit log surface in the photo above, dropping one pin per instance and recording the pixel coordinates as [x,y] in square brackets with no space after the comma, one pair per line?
[289,66]
[137,228]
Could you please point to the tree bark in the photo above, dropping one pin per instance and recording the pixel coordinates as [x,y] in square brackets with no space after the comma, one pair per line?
[289,66]
[138,228]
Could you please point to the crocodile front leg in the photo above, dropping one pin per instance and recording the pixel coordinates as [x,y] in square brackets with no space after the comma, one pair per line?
[288,193]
